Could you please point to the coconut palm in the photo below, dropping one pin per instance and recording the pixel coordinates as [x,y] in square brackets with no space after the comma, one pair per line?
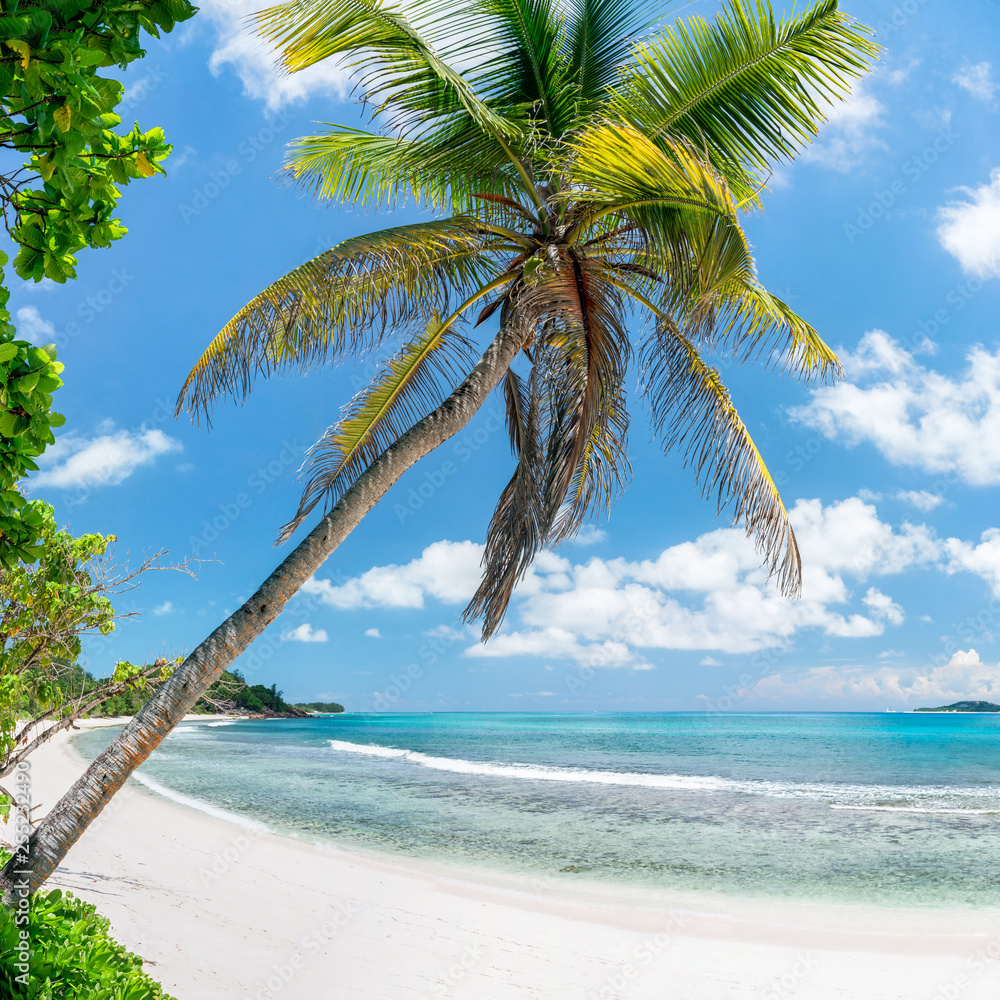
[591,169]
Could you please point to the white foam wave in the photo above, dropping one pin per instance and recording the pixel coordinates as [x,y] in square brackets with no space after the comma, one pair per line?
[936,810]
[533,772]
[192,803]
[225,722]
[924,799]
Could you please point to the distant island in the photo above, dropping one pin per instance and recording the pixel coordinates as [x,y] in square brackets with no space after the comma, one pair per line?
[964,706]
[321,707]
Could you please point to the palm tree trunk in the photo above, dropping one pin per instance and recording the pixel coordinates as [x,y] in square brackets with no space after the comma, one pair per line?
[74,812]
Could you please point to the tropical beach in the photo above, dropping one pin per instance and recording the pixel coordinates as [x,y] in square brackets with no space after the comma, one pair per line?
[498,500]
[220,908]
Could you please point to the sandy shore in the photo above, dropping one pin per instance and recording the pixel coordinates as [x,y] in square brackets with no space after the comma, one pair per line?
[222,911]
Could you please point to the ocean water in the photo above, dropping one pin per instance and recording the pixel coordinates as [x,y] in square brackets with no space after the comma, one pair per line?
[890,809]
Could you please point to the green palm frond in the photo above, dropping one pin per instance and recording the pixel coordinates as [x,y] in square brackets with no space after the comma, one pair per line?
[375,171]
[720,302]
[600,38]
[394,63]
[749,89]
[621,173]
[341,300]
[692,411]
[413,381]
[528,68]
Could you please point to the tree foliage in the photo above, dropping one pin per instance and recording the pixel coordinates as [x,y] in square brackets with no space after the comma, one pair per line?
[72,954]
[60,193]
[57,114]
[46,608]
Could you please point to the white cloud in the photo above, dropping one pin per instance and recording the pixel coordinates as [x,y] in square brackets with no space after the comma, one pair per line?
[902,73]
[963,677]
[373,633]
[305,633]
[255,61]
[982,559]
[31,326]
[977,80]
[710,661]
[914,415]
[710,594]
[76,461]
[446,570]
[590,535]
[970,229]
[849,133]
[166,608]
[921,499]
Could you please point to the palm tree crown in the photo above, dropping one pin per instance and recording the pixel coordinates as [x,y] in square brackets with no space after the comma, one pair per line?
[592,168]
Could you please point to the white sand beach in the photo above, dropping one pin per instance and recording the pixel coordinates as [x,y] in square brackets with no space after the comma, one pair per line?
[221,911]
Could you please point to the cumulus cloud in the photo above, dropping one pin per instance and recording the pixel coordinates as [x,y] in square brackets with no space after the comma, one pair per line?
[982,559]
[166,608]
[305,633]
[31,326]
[108,459]
[590,535]
[977,80]
[446,570]
[255,61]
[970,229]
[710,594]
[923,500]
[913,415]
[373,633]
[964,676]
[849,134]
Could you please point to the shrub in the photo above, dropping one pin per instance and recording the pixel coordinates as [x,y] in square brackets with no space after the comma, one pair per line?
[73,957]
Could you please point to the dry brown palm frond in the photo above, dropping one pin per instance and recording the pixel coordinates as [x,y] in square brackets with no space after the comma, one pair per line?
[603,472]
[583,356]
[517,529]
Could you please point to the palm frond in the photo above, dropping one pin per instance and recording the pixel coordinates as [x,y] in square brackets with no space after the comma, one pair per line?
[750,89]
[600,38]
[603,472]
[720,303]
[376,171]
[413,382]
[622,174]
[582,351]
[517,529]
[341,301]
[692,411]
[394,63]
[528,68]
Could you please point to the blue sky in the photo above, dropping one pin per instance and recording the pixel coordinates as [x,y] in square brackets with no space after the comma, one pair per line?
[885,235]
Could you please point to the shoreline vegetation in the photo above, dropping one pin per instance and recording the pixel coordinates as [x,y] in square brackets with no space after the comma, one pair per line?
[230,695]
[964,706]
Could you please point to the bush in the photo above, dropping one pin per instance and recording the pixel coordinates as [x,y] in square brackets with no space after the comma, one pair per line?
[73,957]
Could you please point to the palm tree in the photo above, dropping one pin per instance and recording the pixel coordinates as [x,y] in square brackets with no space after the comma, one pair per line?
[592,171]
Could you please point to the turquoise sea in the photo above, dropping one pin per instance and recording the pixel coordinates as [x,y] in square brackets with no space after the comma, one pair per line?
[890,809]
